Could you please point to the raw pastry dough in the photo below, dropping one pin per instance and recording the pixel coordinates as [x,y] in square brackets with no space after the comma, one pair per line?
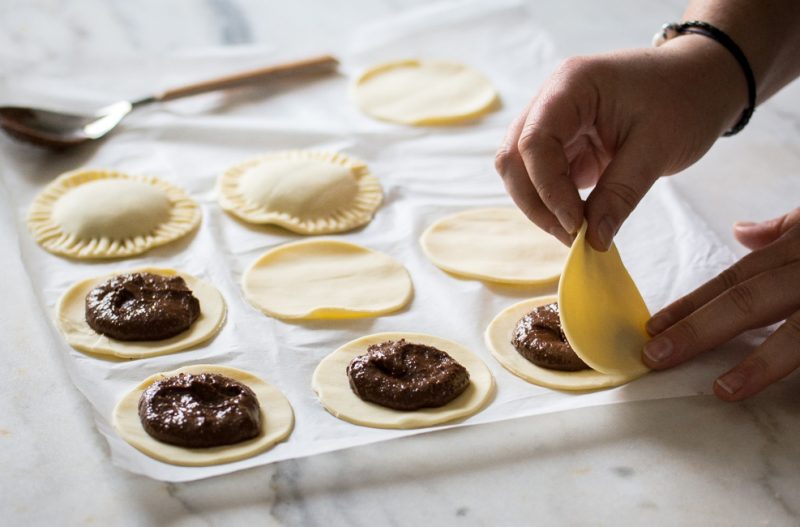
[326,279]
[496,245]
[332,386]
[498,337]
[105,214]
[71,319]
[303,191]
[277,421]
[424,92]
[602,312]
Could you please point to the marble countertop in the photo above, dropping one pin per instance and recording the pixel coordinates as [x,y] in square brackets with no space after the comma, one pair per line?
[686,461]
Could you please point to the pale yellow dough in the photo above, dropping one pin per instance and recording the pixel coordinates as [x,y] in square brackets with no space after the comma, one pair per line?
[332,386]
[277,422]
[304,191]
[71,320]
[424,92]
[105,214]
[495,245]
[326,279]
[498,337]
[602,312]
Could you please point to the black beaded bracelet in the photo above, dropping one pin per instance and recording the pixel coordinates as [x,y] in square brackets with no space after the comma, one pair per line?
[697,27]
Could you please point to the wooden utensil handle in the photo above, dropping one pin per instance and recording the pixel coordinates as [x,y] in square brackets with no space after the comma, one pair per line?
[310,65]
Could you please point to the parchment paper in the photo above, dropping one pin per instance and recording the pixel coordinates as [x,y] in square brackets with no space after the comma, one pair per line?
[426,173]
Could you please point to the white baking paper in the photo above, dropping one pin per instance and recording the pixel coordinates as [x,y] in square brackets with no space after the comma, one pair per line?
[426,173]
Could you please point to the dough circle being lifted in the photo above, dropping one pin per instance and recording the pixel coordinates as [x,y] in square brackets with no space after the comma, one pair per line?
[424,92]
[326,279]
[106,214]
[304,191]
[496,245]
[332,386]
[498,338]
[71,320]
[277,421]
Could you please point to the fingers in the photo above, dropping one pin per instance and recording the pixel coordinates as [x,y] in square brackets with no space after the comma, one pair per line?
[783,252]
[757,235]
[762,300]
[558,115]
[509,165]
[776,358]
[623,184]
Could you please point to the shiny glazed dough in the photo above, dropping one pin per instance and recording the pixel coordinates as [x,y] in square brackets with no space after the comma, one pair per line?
[277,422]
[71,320]
[332,386]
[105,214]
[304,191]
[326,279]
[602,312]
[496,245]
[424,92]
[498,338]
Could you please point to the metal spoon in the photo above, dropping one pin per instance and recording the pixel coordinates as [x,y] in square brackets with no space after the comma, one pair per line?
[58,130]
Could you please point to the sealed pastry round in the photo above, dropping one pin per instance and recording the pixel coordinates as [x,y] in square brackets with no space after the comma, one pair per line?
[276,423]
[304,191]
[424,92]
[499,337]
[332,385]
[107,214]
[496,245]
[326,279]
[71,317]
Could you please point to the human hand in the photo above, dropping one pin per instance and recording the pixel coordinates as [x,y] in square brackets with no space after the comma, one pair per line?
[618,121]
[761,289]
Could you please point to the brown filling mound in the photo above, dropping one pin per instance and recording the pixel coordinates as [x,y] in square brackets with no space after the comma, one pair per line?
[406,376]
[141,306]
[538,337]
[200,410]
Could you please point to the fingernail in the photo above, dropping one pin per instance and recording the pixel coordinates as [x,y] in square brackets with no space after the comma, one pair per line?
[658,349]
[567,220]
[744,224]
[658,323]
[731,382]
[562,236]
[605,231]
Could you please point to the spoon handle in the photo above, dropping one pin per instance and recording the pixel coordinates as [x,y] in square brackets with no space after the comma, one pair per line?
[319,64]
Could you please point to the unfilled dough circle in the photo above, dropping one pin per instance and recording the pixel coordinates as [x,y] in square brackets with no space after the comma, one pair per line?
[71,320]
[424,92]
[277,422]
[326,279]
[498,338]
[496,245]
[332,386]
[106,214]
[305,191]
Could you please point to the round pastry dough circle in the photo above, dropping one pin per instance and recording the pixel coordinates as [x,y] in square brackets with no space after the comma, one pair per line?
[424,92]
[496,245]
[332,386]
[305,191]
[106,214]
[326,279]
[498,338]
[277,422]
[71,319]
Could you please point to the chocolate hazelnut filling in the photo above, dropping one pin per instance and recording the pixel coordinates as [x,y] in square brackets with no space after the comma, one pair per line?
[141,306]
[200,410]
[538,337]
[406,376]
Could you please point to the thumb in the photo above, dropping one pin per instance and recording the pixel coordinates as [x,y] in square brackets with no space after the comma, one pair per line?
[756,235]
[624,182]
